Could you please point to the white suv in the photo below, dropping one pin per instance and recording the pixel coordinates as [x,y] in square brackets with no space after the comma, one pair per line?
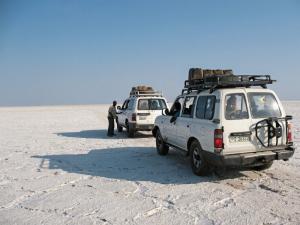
[140,110]
[227,121]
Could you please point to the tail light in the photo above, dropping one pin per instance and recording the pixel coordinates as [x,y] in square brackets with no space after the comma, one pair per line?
[133,118]
[289,133]
[218,140]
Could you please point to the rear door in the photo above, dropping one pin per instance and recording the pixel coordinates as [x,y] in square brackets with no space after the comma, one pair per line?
[263,105]
[203,126]
[236,122]
[148,109]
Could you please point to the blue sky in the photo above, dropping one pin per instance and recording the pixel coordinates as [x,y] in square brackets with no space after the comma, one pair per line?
[85,52]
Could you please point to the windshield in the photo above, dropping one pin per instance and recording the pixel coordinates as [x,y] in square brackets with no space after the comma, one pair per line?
[151,104]
[263,105]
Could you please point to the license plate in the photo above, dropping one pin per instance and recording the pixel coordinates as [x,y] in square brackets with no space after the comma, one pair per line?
[143,117]
[236,139]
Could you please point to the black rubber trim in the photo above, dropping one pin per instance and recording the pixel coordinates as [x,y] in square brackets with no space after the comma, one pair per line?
[241,159]
[246,133]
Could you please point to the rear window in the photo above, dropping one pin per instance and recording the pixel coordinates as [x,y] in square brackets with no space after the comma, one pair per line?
[151,104]
[263,105]
[236,107]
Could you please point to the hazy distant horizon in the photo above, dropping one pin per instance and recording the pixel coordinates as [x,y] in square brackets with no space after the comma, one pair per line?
[56,52]
[94,104]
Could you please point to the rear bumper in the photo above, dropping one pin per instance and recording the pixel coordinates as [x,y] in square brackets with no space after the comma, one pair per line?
[142,127]
[249,159]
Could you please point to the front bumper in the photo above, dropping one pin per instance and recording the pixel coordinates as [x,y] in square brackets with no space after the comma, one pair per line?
[249,159]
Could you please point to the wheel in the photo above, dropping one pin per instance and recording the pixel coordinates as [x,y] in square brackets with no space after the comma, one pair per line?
[161,147]
[130,131]
[120,128]
[264,166]
[199,166]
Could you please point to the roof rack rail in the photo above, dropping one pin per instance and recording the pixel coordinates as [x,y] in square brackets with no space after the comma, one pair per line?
[220,81]
[145,93]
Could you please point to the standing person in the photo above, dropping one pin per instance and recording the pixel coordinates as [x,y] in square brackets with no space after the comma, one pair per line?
[112,116]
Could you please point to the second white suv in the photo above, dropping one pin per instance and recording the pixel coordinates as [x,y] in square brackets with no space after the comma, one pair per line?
[140,110]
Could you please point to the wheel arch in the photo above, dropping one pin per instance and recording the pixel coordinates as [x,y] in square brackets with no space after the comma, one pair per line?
[154,131]
[189,143]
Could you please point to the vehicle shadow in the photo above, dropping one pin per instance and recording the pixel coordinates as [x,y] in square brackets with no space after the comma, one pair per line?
[102,134]
[128,163]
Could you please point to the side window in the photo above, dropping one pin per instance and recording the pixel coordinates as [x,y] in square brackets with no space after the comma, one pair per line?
[210,107]
[235,107]
[125,105]
[188,107]
[200,110]
[180,100]
[205,107]
[130,104]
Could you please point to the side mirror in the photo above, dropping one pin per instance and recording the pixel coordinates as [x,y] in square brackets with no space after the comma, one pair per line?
[119,107]
[167,112]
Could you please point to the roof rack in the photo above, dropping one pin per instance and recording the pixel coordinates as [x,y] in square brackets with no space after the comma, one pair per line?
[146,93]
[220,81]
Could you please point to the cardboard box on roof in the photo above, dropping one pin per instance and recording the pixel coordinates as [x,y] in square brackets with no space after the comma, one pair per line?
[141,88]
[198,73]
[195,74]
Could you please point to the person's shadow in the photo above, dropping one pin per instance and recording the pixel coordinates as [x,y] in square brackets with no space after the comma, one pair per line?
[102,134]
[127,163]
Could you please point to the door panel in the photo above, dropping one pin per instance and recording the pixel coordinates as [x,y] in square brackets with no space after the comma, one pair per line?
[183,130]
[170,130]
[121,118]
[184,122]
[237,120]
[203,128]
[122,115]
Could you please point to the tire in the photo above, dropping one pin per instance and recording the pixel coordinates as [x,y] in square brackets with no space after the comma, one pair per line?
[130,131]
[264,166]
[199,166]
[120,128]
[161,147]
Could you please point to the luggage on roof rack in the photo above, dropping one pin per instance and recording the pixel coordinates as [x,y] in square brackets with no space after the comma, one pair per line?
[143,90]
[198,73]
[230,81]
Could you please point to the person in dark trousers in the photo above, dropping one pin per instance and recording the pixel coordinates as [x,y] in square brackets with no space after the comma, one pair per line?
[112,116]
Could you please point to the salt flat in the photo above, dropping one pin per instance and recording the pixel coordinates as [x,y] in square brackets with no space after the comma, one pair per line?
[58,167]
